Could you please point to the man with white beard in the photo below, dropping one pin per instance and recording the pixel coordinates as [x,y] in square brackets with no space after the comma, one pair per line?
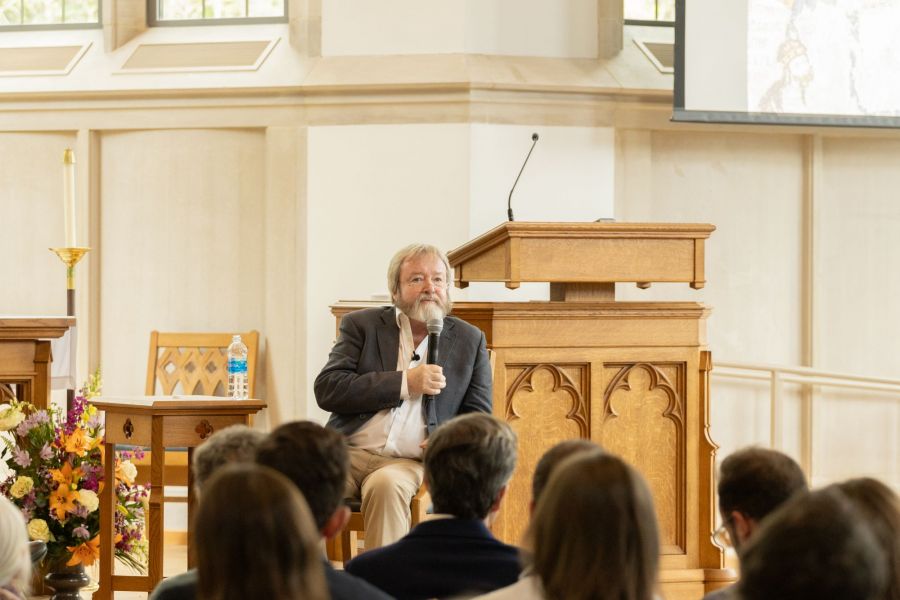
[375,379]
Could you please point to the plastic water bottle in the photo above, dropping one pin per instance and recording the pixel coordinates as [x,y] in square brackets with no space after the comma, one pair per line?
[237,369]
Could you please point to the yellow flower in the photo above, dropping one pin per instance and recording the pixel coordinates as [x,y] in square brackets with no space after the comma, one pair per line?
[22,486]
[89,500]
[10,418]
[86,553]
[38,530]
[62,501]
[126,472]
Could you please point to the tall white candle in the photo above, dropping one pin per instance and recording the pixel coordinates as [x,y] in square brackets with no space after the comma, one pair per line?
[69,195]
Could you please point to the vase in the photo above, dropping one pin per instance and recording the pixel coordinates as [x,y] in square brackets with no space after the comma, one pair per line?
[66,581]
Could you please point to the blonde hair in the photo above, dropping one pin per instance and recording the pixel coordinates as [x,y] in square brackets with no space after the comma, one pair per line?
[15,558]
[404,254]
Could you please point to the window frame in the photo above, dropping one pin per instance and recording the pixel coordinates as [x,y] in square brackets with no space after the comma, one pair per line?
[649,22]
[98,24]
[153,21]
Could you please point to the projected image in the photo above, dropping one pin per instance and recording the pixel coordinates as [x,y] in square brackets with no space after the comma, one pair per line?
[808,57]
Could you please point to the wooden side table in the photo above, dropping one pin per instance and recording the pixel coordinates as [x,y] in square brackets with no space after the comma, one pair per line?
[160,424]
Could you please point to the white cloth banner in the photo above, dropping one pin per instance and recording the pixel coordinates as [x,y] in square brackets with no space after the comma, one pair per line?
[62,369]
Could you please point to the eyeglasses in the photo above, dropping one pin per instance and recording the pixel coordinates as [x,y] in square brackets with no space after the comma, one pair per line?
[418,281]
[721,537]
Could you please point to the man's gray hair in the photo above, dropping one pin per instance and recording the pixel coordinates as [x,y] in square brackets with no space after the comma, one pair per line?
[468,460]
[235,444]
[412,251]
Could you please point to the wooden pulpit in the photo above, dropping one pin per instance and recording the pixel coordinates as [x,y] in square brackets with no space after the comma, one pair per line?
[25,356]
[631,376]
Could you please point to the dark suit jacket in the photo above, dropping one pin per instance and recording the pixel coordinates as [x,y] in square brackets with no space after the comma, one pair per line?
[341,586]
[440,559]
[361,376]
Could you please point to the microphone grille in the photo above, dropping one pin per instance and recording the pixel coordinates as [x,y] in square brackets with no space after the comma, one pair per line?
[434,325]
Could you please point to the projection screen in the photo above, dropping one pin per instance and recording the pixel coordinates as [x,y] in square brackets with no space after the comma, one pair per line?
[792,62]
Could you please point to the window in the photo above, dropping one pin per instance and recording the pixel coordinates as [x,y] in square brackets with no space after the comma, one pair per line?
[196,12]
[49,14]
[650,12]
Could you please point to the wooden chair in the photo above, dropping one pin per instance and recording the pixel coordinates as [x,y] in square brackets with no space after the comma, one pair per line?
[347,544]
[191,364]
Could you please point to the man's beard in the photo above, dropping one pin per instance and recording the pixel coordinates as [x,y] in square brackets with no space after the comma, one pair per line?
[422,311]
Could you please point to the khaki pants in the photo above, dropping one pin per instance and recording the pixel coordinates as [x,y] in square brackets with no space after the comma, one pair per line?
[386,486]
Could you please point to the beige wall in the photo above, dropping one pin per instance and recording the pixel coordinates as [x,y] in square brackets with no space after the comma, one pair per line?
[35,278]
[181,223]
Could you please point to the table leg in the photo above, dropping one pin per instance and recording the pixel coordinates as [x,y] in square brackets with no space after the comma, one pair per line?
[157,493]
[107,524]
[191,507]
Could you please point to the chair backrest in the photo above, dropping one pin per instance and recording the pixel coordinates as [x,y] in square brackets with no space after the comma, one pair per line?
[196,362]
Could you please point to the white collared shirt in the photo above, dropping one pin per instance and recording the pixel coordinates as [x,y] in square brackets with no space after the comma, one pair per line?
[398,431]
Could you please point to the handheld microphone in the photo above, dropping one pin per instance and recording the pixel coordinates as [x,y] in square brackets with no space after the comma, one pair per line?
[509,210]
[434,326]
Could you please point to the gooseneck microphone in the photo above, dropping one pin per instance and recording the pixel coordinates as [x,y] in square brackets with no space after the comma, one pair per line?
[509,211]
[434,326]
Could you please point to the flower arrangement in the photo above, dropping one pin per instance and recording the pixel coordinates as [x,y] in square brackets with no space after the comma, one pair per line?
[54,474]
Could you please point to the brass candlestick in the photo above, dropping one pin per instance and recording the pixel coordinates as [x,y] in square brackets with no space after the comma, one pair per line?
[70,258]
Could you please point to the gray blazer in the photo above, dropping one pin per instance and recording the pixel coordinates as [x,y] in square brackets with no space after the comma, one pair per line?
[361,376]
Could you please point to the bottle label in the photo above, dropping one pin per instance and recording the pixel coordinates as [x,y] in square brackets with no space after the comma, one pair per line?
[237,365]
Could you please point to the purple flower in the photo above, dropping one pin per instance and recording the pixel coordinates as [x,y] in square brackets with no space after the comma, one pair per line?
[73,416]
[138,453]
[22,458]
[82,532]
[46,452]
[24,427]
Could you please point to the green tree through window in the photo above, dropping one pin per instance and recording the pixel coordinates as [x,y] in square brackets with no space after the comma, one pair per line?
[208,10]
[662,11]
[48,13]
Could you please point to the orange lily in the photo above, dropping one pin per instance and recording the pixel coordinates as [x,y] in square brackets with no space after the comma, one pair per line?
[66,476]
[76,443]
[62,500]
[86,553]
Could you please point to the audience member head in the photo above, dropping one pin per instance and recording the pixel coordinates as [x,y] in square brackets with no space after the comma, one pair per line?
[593,533]
[234,444]
[815,546]
[880,507]
[551,459]
[255,538]
[15,558]
[416,259]
[316,460]
[468,462]
[752,483]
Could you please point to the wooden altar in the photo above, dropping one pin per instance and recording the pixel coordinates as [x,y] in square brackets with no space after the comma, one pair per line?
[632,376]
[25,355]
